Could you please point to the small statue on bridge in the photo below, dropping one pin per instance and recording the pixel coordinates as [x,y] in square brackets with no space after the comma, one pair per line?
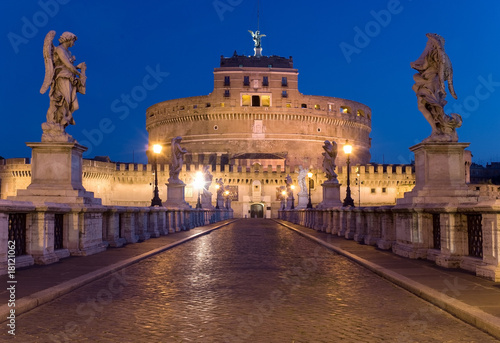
[177,160]
[301,178]
[329,157]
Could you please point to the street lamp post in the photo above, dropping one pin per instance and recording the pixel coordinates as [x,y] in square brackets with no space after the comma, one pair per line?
[292,187]
[156,201]
[348,201]
[283,194]
[217,198]
[310,175]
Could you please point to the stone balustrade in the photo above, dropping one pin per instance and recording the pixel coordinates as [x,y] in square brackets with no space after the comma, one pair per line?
[46,233]
[466,237]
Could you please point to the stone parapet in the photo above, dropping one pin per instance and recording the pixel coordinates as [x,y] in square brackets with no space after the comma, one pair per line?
[45,233]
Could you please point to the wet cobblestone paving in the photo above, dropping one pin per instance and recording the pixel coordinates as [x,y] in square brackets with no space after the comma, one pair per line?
[252,281]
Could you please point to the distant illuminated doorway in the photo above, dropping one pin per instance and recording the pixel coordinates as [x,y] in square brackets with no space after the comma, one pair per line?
[257,211]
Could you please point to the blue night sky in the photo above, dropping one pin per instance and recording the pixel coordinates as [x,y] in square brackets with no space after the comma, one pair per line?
[180,42]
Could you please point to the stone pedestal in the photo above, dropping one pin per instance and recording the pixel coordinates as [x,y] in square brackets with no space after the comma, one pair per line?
[220,203]
[56,175]
[439,175]
[440,183]
[331,195]
[257,52]
[302,200]
[206,200]
[175,195]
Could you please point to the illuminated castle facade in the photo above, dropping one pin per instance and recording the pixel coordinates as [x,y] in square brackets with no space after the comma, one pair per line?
[256,108]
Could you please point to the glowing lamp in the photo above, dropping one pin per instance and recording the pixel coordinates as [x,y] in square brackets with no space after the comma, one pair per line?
[347,148]
[157,148]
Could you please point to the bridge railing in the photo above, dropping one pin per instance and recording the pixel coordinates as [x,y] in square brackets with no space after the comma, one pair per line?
[466,237]
[44,233]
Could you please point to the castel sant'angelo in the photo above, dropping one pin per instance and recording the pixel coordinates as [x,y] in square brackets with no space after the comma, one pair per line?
[256,112]
[255,128]
[252,131]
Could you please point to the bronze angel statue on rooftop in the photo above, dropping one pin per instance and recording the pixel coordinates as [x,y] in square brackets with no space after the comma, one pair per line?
[434,69]
[256,38]
[64,80]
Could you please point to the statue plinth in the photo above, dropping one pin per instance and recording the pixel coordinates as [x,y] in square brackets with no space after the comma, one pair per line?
[56,175]
[302,200]
[439,175]
[206,201]
[331,195]
[175,194]
[257,52]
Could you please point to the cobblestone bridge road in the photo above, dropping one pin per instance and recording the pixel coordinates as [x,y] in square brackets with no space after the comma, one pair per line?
[252,281]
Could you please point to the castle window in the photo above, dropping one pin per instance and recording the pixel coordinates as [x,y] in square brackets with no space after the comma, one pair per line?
[303,106]
[226,93]
[208,104]
[372,190]
[345,110]
[216,127]
[246,80]
[331,107]
[284,94]
[288,105]
[227,81]
[317,107]
[266,100]
[369,115]
[360,113]
[284,81]
[246,100]
[222,104]
[255,100]
[265,81]
[384,190]
[195,106]
[319,129]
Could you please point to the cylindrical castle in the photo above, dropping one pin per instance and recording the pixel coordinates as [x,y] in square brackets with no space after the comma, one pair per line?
[256,112]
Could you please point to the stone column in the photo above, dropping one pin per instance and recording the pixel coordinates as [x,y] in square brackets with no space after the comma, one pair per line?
[111,223]
[129,226]
[41,228]
[491,249]
[453,239]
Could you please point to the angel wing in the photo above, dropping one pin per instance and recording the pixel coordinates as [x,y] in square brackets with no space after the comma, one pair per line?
[251,32]
[48,56]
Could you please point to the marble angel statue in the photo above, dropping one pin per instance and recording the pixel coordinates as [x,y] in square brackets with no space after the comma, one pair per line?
[329,156]
[63,78]
[177,159]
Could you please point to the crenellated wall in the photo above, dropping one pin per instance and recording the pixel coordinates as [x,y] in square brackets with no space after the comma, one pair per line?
[131,184]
